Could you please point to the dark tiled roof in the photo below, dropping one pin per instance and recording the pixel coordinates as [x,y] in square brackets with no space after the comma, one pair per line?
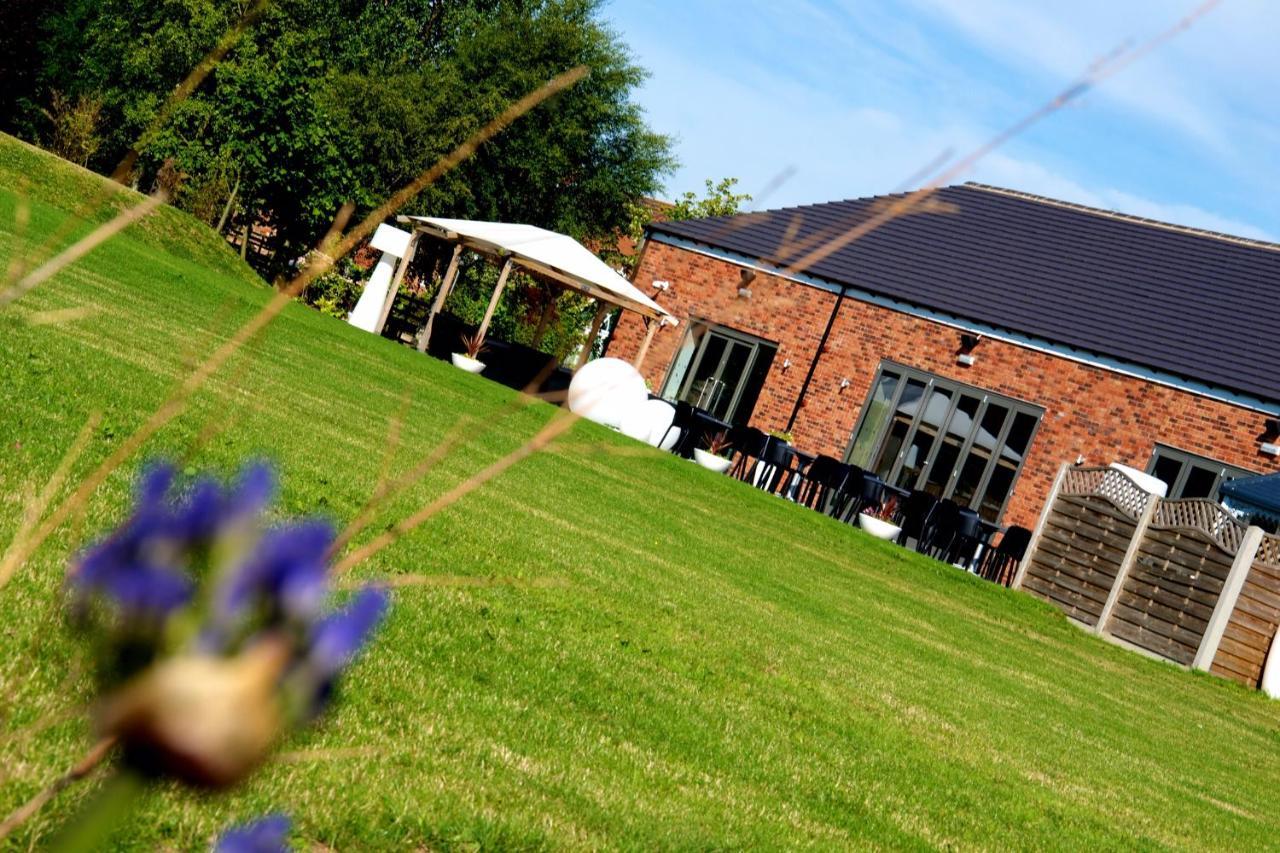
[1198,305]
[1262,492]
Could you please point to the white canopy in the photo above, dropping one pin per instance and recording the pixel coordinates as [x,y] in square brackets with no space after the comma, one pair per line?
[556,256]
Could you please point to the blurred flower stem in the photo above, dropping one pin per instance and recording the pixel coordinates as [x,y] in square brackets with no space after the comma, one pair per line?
[92,827]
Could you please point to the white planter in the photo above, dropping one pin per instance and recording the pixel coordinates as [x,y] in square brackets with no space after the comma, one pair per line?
[878,527]
[467,363]
[710,461]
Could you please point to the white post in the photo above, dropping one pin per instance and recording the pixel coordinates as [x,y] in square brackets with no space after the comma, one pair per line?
[446,285]
[394,244]
[410,251]
[1130,557]
[1035,534]
[1226,604]
[493,300]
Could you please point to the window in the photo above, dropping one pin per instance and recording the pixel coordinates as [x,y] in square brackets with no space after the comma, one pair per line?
[719,370]
[920,431]
[1189,475]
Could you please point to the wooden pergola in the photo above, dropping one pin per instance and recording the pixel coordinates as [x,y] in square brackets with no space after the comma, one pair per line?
[554,257]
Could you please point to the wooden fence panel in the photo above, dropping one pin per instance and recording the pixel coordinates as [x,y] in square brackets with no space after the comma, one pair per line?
[1179,572]
[1251,630]
[1083,540]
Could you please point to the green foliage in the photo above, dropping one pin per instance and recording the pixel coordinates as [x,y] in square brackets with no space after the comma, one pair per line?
[336,292]
[612,649]
[720,200]
[74,127]
[326,101]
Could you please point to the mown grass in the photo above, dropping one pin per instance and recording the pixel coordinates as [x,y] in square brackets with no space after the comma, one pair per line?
[620,649]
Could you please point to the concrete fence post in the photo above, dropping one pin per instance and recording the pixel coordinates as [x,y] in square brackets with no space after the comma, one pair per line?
[1130,557]
[1044,517]
[1226,604]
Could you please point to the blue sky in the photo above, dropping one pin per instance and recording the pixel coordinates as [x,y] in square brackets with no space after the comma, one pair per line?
[847,98]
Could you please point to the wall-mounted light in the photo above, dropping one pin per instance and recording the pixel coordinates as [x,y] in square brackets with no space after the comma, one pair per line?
[844,383]
[744,283]
[786,364]
[659,284]
[968,342]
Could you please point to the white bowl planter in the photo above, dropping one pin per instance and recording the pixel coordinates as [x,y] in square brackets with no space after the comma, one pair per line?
[710,461]
[467,363]
[878,527]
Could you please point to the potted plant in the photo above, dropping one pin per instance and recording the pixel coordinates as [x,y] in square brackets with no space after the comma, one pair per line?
[878,520]
[718,456]
[469,358]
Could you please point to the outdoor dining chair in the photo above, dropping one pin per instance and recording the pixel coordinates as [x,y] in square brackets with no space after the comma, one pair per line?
[750,446]
[864,495]
[816,482]
[916,509]
[966,538]
[775,466]
[940,529]
[1001,562]
[685,423]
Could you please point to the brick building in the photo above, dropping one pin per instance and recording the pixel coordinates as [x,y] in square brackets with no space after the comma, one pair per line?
[972,347]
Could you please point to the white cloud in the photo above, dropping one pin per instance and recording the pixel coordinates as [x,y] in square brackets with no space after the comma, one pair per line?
[856,99]
[1179,84]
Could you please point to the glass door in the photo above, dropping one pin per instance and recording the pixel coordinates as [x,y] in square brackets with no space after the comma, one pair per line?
[720,371]
[920,431]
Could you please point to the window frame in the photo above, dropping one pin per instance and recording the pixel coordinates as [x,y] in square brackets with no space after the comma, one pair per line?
[1189,459]
[957,389]
[757,344]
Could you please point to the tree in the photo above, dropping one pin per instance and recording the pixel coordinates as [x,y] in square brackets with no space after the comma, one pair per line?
[720,200]
[325,101]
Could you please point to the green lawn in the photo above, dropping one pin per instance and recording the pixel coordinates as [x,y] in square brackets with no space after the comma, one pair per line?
[624,650]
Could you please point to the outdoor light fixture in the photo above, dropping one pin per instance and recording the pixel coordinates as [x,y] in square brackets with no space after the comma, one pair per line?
[659,284]
[745,279]
[968,342]
[845,383]
[786,364]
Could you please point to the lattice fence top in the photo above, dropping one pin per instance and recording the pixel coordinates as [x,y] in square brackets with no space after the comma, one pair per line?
[1205,516]
[1269,550]
[1107,483]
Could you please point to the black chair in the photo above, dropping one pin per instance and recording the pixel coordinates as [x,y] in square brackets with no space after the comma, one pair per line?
[848,492]
[749,443]
[672,425]
[1001,562]
[775,466]
[915,512]
[940,529]
[687,424]
[865,495]
[967,537]
[815,481]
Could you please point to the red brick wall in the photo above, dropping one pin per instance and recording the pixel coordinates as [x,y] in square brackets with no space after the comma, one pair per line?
[1089,411]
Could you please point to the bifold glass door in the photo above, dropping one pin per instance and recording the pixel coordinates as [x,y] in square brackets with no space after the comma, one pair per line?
[719,370]
[920,431]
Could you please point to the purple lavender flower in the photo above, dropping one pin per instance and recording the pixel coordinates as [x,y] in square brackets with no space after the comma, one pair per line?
[265,835]
[339,636]
[335,642]
[133,566]
[259,649]
[142,566]
[287,569]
